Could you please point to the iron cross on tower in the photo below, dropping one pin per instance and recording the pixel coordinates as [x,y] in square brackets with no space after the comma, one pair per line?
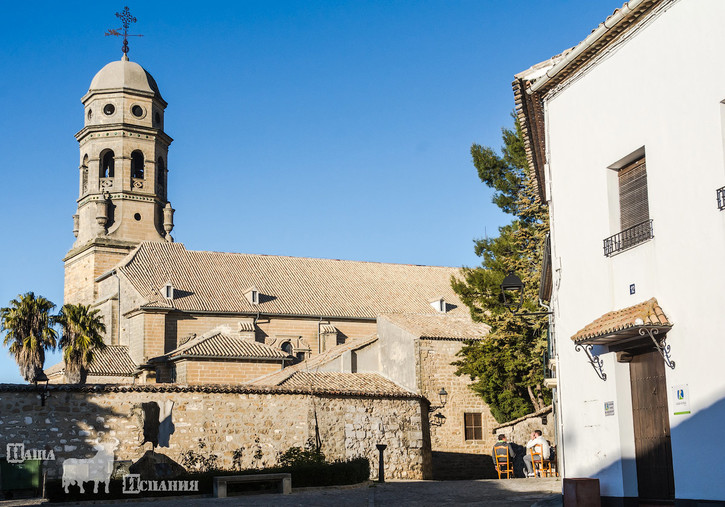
[126,19]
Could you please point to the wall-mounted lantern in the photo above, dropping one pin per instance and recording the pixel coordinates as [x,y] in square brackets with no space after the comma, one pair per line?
[443,397]
[512,289]
[44,394]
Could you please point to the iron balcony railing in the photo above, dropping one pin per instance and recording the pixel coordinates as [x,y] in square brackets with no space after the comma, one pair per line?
[721,198]
[628,238]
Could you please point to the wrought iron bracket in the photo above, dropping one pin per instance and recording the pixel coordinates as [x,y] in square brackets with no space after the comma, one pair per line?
[595,361]
[660,345]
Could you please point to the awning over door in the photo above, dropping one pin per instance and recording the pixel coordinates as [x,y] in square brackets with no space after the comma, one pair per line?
[620,326]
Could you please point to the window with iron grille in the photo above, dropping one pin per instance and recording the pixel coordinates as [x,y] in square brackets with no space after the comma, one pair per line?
[633,202]
[634,221]
[472,423]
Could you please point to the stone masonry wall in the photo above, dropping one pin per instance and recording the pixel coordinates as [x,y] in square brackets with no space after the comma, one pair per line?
[260,423]
[453,455]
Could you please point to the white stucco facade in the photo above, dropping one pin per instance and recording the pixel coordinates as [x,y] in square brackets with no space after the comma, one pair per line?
[659,92]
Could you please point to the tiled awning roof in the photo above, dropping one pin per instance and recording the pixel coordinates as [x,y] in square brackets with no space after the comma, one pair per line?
[620,325]
[113,360]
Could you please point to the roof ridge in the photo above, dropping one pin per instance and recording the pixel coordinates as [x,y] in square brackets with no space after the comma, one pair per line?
[303,257]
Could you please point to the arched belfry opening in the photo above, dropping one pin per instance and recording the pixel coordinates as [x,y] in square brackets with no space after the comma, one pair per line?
[137,165]
[107,163]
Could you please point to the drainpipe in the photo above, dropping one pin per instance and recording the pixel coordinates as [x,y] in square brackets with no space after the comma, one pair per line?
[584,45]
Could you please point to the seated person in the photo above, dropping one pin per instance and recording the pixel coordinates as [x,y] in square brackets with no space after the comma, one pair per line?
[500,456]
[536,439]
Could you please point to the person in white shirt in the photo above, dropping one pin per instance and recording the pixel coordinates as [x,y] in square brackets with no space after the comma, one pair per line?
[536,439]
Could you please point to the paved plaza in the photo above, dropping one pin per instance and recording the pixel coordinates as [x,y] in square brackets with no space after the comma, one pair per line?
[492,493]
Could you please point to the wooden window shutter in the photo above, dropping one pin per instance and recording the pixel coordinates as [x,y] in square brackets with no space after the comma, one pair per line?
[633,202]
[473,428]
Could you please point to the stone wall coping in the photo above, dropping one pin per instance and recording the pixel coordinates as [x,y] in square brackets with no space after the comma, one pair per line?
[538,413]
[203,388]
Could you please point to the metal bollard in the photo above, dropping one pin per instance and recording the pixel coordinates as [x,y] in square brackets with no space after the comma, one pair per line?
[381,464]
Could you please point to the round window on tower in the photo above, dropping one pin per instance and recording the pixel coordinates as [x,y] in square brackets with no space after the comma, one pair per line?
[137,111]
[90,114]
[109,109]
[157,119]
[137,217]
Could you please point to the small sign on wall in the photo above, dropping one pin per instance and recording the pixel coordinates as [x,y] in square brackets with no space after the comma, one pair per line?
[608,408]
[681,399]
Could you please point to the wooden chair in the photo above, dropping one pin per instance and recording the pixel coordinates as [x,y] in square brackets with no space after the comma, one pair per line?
[542,467]
[503,467]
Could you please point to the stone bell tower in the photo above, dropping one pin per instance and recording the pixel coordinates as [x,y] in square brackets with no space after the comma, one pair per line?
[122,176]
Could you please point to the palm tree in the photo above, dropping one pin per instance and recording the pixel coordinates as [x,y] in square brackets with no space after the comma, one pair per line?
[83,331]
[27,322]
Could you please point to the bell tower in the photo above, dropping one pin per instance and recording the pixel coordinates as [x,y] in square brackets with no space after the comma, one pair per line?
[122,175]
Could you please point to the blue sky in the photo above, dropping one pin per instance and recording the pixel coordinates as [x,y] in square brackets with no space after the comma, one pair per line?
[328,129]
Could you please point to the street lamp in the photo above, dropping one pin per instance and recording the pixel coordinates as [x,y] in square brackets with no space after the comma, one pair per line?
[512,289]
[443,396]
[44,394]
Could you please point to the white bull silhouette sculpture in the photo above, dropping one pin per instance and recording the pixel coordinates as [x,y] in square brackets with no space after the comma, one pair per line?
[96,469]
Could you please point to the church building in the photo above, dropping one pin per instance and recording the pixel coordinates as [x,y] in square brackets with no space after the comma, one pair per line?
[177,316]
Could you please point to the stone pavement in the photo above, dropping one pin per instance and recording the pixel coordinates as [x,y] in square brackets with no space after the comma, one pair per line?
[492,493]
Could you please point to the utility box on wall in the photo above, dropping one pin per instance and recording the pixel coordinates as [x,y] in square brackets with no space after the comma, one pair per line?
[25,475]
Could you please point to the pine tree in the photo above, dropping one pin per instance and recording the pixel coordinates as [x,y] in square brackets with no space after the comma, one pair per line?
[507,366]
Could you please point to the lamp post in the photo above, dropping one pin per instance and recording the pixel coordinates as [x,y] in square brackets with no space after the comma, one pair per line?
[381,463]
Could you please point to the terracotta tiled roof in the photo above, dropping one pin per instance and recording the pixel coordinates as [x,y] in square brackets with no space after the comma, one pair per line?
[220,342]
[649,312]
[113,360]
[371,383]
[215,282]
[442,326]
[315,362]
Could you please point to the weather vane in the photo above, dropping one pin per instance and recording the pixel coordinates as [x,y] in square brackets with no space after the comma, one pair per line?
[126,19]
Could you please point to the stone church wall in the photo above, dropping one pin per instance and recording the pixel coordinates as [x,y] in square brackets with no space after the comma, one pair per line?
[261,423]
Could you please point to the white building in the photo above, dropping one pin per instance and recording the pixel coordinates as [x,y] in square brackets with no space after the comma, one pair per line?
[626,135]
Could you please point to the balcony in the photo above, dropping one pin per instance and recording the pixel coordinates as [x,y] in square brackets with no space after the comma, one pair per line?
[721,198]
[628,238]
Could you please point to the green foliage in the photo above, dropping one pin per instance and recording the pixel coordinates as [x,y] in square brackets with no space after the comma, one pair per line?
[27,323]
[295,456]
[82,335]
[201,460]
[507,367]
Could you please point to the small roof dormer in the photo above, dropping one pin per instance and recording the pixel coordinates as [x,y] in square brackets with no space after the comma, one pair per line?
[439,304]
[252,295]
[168,290]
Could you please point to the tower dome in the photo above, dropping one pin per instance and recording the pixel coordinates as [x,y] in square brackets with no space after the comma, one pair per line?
[124,74]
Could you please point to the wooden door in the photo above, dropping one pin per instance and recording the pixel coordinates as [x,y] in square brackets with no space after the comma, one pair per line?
[651,427]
